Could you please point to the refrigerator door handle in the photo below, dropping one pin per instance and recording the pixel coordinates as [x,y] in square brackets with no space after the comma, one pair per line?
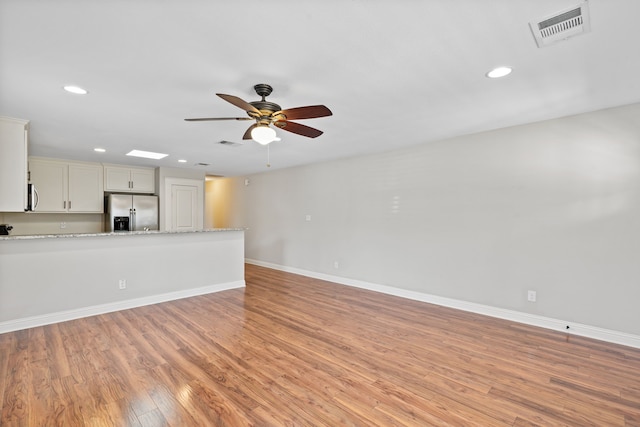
[134,220]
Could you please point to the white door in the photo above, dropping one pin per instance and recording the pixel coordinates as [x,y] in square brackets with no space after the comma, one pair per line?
[184,207]
[184,210]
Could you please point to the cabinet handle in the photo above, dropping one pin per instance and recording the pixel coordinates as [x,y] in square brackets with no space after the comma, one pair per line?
[69,204]
[64,204]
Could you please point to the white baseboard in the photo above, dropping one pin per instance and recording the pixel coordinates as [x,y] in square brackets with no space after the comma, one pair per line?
[588,331]
[63,316]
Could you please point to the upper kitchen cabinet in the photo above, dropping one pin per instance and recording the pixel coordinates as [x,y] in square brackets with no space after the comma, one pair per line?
[61,186]
[129,180]
[13,164]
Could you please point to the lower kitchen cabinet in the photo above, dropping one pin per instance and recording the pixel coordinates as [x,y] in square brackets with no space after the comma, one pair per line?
[67,187]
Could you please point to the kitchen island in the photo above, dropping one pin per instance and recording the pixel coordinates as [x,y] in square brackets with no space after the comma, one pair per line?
[52,278]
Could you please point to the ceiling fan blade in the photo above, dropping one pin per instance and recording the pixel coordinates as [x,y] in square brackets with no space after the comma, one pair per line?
[217,118]
[310,112]
[247,134]
[239,103]
[298,128]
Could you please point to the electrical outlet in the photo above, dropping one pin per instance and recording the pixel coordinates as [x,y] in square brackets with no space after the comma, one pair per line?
[531,296]
[308,217]
[336,264]
[63,225]
[122,283]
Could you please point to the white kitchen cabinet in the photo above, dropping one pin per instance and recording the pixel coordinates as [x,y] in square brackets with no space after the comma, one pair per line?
[50,180]
[14,136]
[86,188]
[72,187]
[129,180]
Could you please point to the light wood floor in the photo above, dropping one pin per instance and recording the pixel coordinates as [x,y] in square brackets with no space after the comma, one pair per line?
[294,351]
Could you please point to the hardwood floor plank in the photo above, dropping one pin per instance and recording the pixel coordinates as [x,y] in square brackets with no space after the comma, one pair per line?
[66,405]
[122,414]
[56,353]
[129,381]
[6,348]
[152,418]
[294,351]
[16,399]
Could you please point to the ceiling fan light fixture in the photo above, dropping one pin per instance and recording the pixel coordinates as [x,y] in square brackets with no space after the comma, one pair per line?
[263,135]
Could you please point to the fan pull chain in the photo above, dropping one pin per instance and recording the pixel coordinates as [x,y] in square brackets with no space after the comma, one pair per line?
[268,155]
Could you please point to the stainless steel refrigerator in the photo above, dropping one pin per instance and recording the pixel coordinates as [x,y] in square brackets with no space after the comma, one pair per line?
[131,212]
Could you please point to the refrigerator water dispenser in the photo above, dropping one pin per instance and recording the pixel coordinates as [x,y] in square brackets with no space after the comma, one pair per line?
[121,223]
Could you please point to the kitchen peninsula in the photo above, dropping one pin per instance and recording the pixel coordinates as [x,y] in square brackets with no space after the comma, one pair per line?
[51,278]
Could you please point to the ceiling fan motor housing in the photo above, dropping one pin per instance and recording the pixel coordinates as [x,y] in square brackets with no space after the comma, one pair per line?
[269,107]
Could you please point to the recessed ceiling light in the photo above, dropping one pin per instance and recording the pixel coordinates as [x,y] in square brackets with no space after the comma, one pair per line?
[499,72]
[146,154]
[99,150]
[75,89]
[182,161]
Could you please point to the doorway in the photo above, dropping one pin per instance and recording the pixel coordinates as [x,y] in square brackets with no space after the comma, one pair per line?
[218,193]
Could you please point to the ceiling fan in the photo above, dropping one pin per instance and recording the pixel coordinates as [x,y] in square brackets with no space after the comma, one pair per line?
[267,113]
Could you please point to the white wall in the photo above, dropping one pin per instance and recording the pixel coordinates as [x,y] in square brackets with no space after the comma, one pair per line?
[30,223]
[552,207]
[45,280]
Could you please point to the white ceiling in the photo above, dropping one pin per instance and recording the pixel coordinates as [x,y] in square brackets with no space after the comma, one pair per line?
[394,73]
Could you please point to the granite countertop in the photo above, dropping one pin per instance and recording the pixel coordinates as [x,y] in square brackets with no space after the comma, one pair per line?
[120,233]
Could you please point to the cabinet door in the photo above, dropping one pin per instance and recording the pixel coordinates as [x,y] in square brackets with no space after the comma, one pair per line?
[13,165]
[117,179]
[86,192]
[143,180]
[50,180]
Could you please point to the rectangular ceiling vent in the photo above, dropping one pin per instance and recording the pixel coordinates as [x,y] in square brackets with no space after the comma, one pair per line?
[230,143]
[562,25]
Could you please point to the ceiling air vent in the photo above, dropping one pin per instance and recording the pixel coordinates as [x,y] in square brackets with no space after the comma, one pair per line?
[230,143]
[562,25]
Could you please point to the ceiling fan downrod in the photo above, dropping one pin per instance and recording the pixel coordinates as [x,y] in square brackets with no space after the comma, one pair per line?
[264,90]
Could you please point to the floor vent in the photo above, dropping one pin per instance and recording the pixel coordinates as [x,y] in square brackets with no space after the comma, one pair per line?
[562,25]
